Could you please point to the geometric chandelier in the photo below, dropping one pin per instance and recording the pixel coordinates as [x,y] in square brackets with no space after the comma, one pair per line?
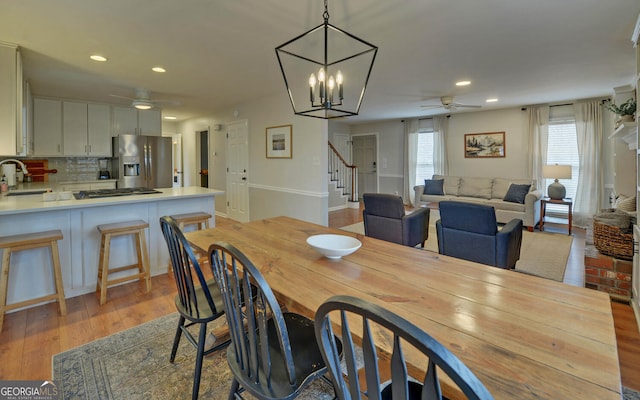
[326,70]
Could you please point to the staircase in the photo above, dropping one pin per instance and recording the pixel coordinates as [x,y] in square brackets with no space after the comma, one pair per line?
[343,182]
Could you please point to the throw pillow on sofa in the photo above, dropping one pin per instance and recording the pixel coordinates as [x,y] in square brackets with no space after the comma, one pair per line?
[517,193]
[434,186]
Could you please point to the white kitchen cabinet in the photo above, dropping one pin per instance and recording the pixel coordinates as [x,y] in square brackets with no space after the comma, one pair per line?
[74,127]
[87,129]
[150,122]
[11,92]
[80,248]
[125,121]
[47,127]
[129,120]
[99,130]
[71,128]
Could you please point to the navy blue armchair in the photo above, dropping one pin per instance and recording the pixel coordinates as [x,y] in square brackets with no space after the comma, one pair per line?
[384,218]
[470,231]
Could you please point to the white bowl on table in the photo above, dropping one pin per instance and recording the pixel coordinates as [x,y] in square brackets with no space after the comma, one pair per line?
[334,246]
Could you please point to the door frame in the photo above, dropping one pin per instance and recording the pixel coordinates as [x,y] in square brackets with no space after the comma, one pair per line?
[198,177]
[376,135]
[177,159]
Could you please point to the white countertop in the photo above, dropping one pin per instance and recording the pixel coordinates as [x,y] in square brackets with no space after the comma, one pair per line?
[35,203]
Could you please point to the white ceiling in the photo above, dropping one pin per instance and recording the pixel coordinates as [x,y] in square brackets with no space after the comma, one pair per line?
[220,53]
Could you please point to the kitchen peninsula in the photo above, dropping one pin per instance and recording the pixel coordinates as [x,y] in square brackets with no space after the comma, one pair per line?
[30,275]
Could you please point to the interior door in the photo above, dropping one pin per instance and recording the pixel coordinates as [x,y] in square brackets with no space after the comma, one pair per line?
[237,171]
[365,153]
[204,158]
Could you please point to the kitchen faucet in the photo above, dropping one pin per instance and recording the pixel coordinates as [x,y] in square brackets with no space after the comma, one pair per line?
[24,167]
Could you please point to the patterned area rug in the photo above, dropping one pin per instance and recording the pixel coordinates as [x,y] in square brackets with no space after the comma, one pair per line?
[542,254]
[134,364]
[630,394]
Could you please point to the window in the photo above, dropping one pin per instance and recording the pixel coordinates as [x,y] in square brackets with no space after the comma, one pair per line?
[563,149]
[424,166]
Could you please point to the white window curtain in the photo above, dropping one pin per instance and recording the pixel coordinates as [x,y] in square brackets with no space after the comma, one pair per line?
[538,142]
[589,131]
[440,160]
[411,128]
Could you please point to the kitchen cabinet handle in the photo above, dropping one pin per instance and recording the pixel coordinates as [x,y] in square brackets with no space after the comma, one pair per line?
[58,147]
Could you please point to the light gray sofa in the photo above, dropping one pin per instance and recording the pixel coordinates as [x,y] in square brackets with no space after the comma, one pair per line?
[489,191]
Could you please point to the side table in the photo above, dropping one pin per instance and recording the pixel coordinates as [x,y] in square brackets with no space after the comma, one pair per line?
[564,202]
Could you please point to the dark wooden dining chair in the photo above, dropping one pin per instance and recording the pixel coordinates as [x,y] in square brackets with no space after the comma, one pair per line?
[198,300]
[273,354]
[382,326]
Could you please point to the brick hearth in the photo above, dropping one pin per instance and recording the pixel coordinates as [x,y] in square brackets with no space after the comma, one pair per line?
[607,274]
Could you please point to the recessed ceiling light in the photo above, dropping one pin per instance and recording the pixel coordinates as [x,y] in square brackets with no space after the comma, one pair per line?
[492,100]
[169,117]
[97,57]
[158,69]
[463,83]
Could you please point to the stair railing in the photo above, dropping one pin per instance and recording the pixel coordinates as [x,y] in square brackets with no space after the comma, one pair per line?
[345,174]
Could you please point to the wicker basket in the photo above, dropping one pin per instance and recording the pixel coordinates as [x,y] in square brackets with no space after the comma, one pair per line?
[613,235]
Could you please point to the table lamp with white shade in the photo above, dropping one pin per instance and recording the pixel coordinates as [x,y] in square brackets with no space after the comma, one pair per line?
[556,190]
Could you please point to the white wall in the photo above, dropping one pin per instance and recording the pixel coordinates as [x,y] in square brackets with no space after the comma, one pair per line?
[618,161]
[513,122]
[390,153]
[295,187]
[217,151]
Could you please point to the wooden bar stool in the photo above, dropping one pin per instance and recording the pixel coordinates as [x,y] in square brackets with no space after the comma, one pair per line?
[201,219]
[30,241]
[109,231]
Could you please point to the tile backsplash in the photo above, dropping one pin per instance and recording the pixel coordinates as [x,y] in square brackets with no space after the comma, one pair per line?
[74,169]
[71,168]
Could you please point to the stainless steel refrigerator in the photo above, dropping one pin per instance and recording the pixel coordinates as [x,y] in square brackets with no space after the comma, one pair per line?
[142,161]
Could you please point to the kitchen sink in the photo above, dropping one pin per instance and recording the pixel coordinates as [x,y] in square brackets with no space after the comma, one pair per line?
[26,192]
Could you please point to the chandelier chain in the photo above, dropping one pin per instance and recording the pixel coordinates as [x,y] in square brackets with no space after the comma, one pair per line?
[325,15]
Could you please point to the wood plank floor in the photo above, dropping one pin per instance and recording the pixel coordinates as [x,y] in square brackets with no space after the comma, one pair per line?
[31,337]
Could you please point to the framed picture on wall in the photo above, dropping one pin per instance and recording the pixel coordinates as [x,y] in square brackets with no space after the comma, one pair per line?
[279,141]
[484,145]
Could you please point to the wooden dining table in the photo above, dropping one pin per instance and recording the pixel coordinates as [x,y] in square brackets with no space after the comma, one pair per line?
[523,336]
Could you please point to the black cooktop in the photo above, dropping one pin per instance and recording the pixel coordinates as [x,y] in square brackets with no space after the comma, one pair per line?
[95,194]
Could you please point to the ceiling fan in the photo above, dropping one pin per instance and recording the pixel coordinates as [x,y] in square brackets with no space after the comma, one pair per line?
[142,99]
[448,103]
